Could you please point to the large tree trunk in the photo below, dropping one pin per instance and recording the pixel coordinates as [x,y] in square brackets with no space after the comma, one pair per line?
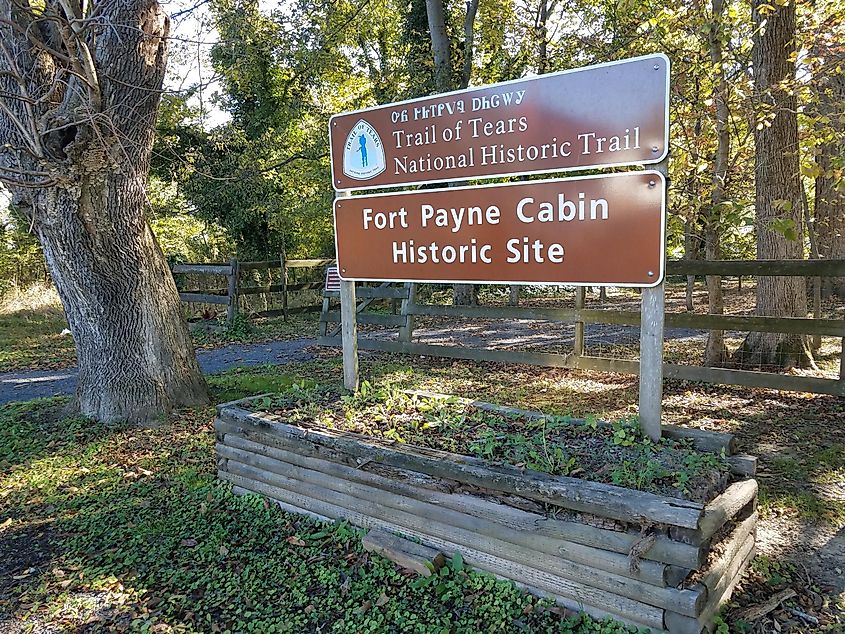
[136,358]
[778,194]
[78,167]
[715,351]
[830,159]
[542,31]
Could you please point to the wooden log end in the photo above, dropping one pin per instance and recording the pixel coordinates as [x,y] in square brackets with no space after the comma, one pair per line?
[740,497]
[674,576]
[405,553]
[743,465]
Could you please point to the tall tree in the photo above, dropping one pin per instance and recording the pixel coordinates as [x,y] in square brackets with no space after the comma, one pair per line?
[79,89]
[440,44]
[829,89]
[778,189]
[463,294]
[715,351]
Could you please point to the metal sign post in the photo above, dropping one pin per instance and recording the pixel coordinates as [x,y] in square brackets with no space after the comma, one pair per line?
[349,326]
[652,319]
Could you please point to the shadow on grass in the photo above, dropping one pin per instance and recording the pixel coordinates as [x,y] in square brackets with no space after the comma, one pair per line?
[32,338]
[141,534]
[34,430]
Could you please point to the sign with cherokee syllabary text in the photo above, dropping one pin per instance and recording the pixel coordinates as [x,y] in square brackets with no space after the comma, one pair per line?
[596,116]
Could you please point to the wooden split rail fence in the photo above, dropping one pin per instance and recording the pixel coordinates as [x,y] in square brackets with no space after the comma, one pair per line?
[581,316]
[229,296]
[687,556]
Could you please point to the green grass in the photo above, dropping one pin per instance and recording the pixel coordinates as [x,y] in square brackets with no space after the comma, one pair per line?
[33,339]
[241,382]
[258,329]
[137,516]
[803,483]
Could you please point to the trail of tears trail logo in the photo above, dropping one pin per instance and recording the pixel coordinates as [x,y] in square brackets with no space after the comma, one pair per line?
[363,152]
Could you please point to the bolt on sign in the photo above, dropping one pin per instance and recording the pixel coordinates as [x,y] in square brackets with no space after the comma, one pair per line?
[596,116]
[591,230]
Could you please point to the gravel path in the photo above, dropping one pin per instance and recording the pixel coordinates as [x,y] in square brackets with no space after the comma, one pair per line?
[517,334]
[23,386]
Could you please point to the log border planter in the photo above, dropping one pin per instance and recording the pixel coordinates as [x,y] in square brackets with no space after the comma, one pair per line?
[637,557]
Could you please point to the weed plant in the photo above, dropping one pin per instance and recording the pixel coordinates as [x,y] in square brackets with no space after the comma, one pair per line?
[617,454]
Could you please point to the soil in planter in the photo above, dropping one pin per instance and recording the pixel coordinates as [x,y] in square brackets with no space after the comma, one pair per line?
[559,445]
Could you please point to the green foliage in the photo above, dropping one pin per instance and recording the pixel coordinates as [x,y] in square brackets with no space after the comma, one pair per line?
[138,514]
[21,259]
[184,238]
[559,445]
[241,382]
[776,572]
[240,329]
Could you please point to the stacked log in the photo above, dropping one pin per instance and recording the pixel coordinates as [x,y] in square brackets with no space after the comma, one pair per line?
[648,560]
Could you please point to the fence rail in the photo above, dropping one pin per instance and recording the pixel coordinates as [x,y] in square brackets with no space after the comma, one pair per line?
[580,316]
[229,296]
[766,268]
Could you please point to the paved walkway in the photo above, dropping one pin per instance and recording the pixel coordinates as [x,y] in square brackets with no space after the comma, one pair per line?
[498,334]
[23,386]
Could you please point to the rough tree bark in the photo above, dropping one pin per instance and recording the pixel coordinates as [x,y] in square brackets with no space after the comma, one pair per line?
[777,187]
[542,32]
[715,351]
[79,90]
[830,160]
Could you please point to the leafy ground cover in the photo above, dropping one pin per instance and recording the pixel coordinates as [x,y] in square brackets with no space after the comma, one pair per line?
[256,329]
[121,529]
[117,529]
[560,445]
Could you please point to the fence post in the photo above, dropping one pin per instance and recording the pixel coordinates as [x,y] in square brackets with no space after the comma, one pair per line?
[406,332]
[651,360]
[580,299]
[233,291]
[284,263]
[842,367]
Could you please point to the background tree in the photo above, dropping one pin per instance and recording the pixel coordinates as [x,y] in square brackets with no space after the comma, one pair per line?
[715,351]
[828,132]
[780,227]
[441,45]
[79,89]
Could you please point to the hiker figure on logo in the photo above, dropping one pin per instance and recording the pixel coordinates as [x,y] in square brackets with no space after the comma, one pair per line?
[363,152]
[362,140]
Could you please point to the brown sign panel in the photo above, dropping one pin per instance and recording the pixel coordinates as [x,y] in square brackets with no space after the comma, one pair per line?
[596,116]
[593,230]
